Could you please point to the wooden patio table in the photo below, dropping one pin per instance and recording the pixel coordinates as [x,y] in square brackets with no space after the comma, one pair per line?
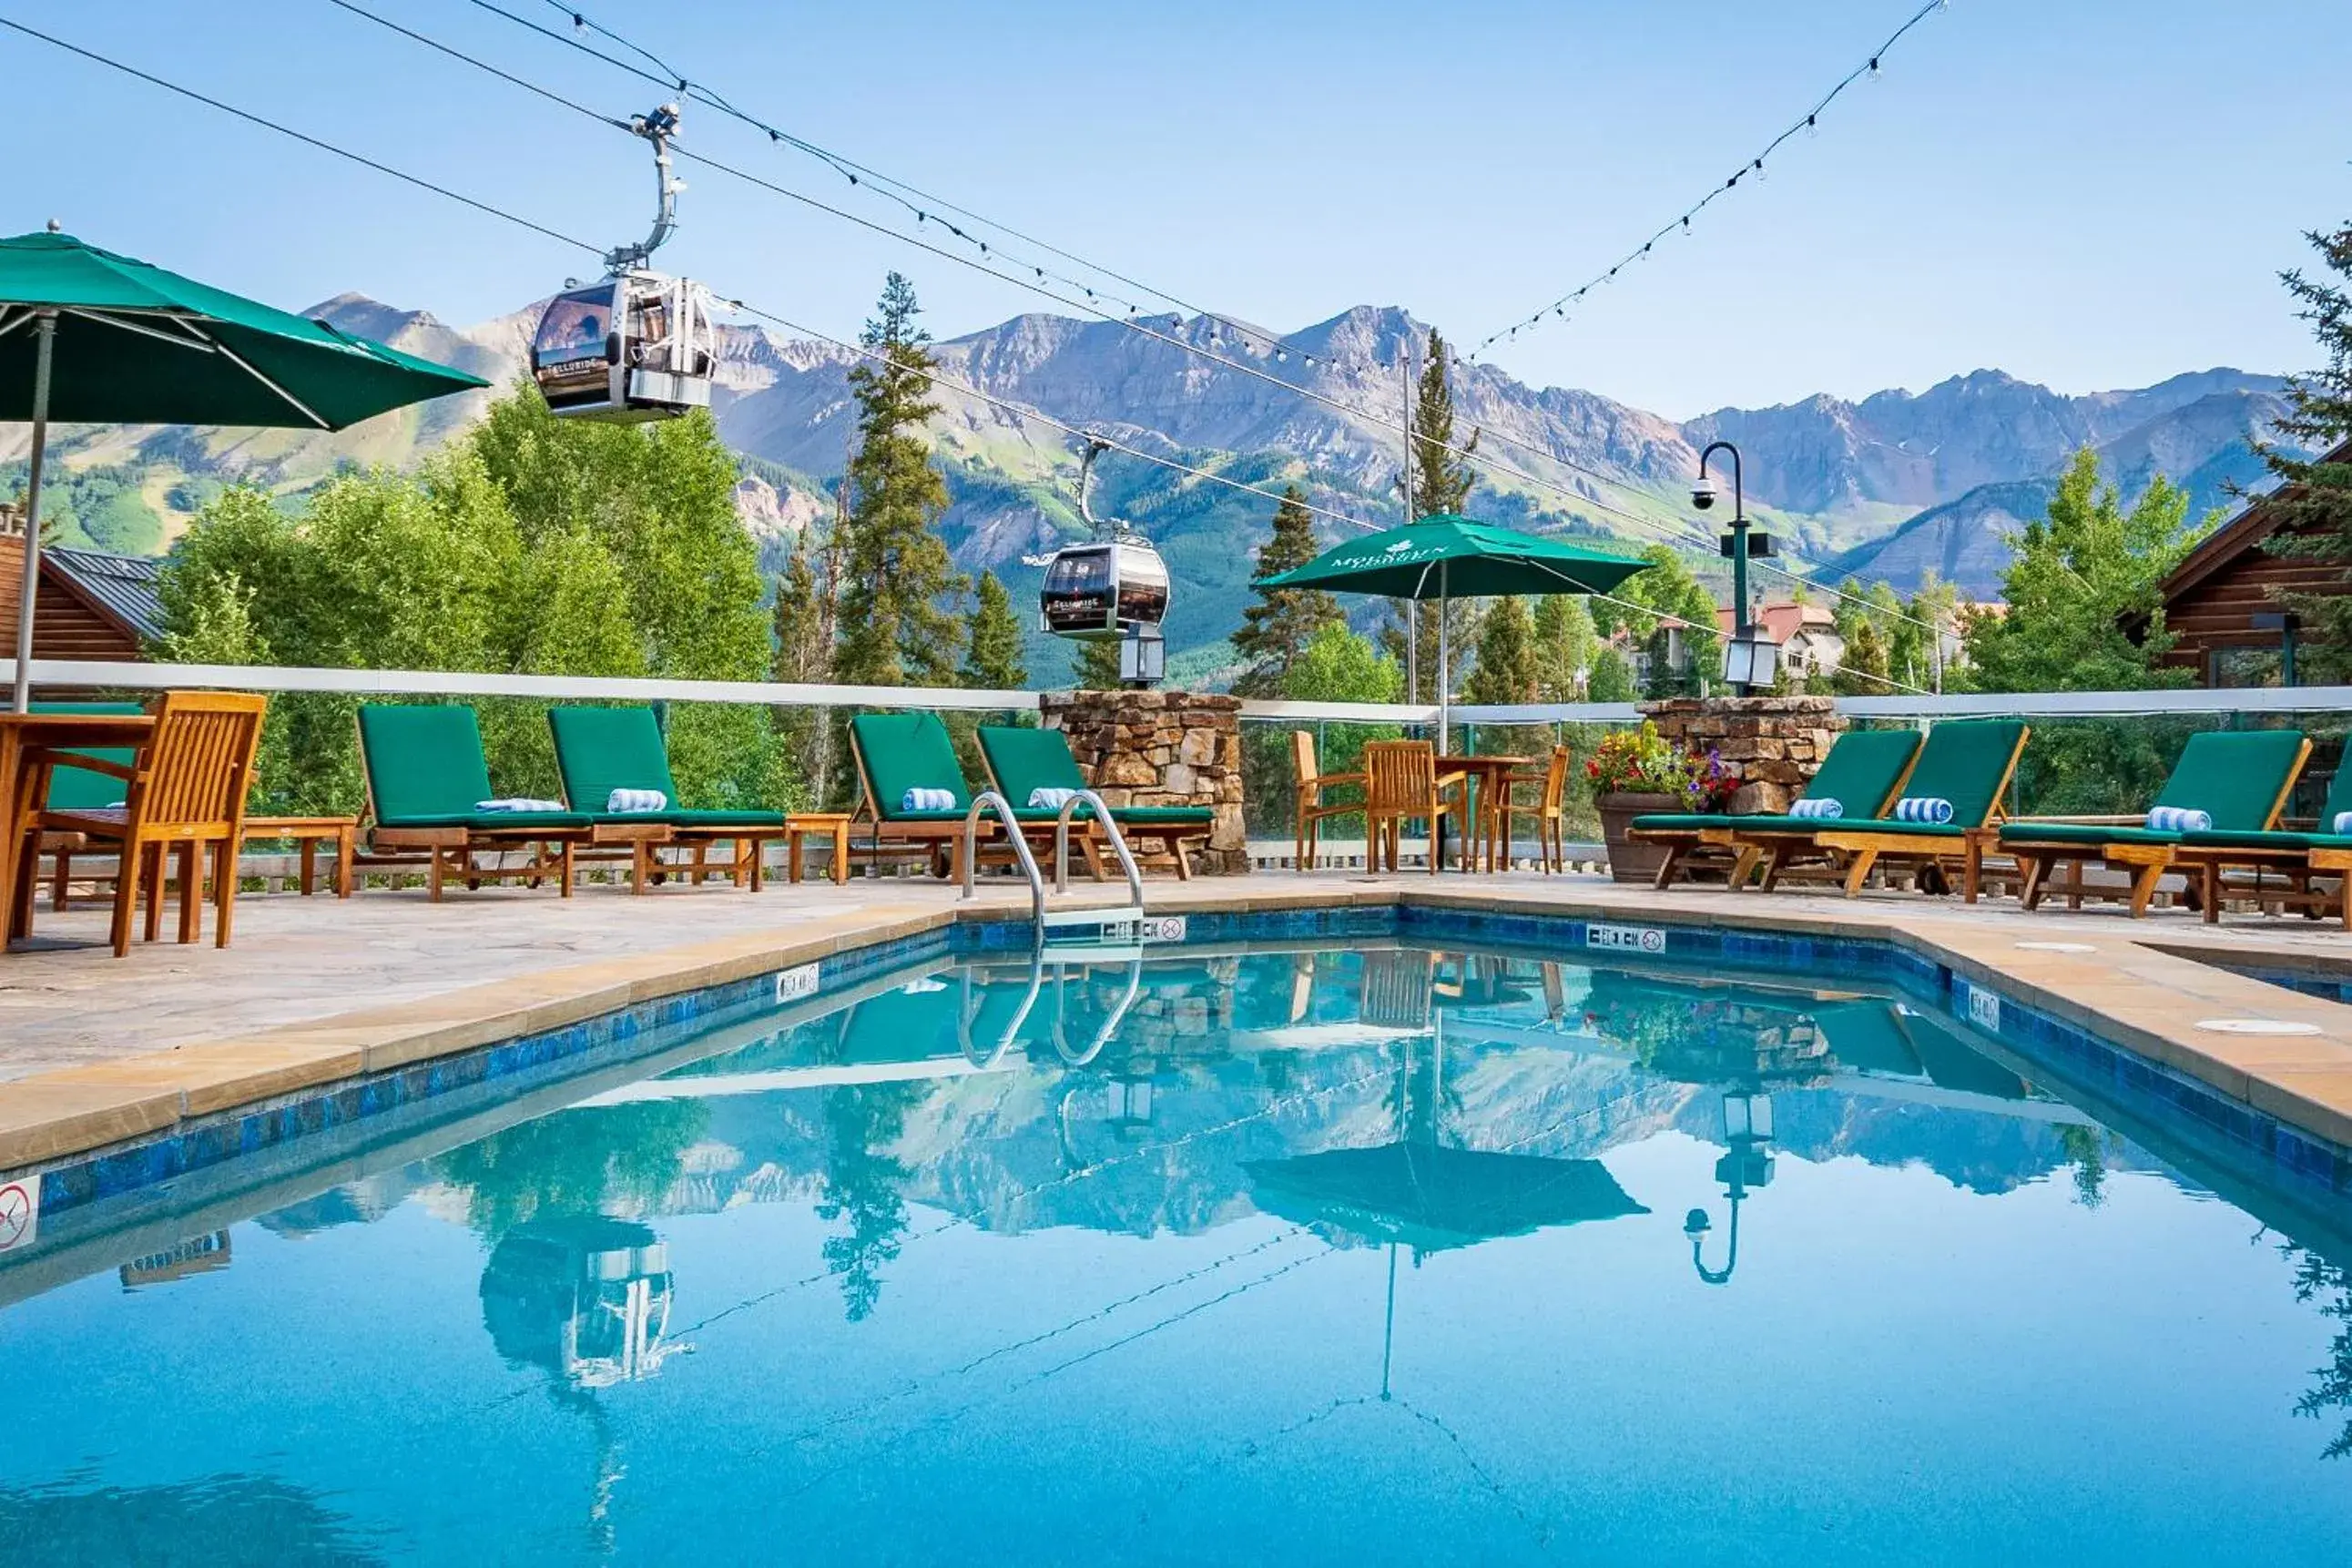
[1485,773]
[25,737]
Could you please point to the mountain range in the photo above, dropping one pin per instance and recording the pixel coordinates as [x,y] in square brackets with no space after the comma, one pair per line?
[1896,485]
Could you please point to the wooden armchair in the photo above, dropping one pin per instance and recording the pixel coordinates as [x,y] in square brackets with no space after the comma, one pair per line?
[1548,809]
[185,792]
[1311,808]
[1401,784]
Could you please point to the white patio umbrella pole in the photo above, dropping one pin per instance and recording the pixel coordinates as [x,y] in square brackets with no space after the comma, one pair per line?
[45,333]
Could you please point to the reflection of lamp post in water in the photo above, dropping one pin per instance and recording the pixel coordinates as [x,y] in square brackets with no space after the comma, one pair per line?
[1746,1164]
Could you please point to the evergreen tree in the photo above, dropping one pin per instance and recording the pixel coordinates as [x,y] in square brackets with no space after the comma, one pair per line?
[1507,665]
[2075,578]
[992,650]
[2319,419]
[897,573]
[1666,591]
[1863,671]
[1097,665]
[1441,478]
[1611,680]
[1566,646]
[1279,623]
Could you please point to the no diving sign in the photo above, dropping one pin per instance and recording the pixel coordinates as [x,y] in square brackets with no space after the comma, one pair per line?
[20,1214]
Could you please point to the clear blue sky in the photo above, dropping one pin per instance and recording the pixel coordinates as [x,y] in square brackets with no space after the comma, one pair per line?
[2086,193]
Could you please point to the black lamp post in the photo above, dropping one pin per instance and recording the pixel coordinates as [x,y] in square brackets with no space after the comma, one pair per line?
[1748,661]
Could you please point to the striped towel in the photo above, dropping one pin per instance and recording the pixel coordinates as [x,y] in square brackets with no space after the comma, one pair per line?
[2343,823]
[920,799]
[628,802]
[1051,799]
[1923,808]
[2179,819]
[517,802]
[1825,806]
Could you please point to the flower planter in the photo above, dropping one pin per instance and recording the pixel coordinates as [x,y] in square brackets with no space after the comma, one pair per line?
[1632,860]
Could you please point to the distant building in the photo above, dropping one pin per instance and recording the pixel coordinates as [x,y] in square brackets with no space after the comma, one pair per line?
[92,606]
[2223,604]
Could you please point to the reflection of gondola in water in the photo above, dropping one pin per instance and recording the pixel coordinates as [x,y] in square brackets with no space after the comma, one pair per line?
[587,1297]
[636,344]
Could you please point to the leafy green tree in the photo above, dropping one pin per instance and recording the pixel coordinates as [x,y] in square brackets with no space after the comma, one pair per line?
[898,574]
[1277,623]
[993,649]
[1611,680]
[1913,656]
[1338,666]
[2315,501]
[1442,479]
[2076,577]
[1566,646]
[1508,670]
[1863,671]
[1666,591]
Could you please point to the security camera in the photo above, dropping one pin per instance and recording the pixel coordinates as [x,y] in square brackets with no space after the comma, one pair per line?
[1702,495]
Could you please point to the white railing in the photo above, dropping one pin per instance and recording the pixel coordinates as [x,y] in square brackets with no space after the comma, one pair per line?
[83,674]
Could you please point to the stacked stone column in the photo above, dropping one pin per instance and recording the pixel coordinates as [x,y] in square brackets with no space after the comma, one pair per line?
[1773,745]
[1162,748]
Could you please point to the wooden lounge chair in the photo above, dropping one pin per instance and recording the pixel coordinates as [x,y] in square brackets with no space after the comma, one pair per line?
[599,750]
[1863,773]
[1966,761]
[898,752]
[2240,778]
[427,777]
[184,794]
[1401,784]
[2295,855]
[81,789]
[1311,809]
[1549,809]
[1020,761]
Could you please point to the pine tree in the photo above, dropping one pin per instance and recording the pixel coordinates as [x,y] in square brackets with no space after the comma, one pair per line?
[2318,506]
[1282,620]
[896,570]
[1508,666]
[1566,646]
[1861,671]
[1441,478]
[993,649]
[1097,665]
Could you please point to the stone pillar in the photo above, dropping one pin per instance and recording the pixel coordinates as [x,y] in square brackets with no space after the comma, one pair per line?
[1771,744]
[1162,748]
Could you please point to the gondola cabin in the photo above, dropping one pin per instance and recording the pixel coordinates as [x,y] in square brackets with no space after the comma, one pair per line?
[636,346]
[1094,592]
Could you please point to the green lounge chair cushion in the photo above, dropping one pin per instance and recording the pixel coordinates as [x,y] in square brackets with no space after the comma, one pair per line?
[1023,759]
[1687,821]
[79,789]
[2237,777]
[904,752]
[425,764]
[1965,760]
[599,750]
[1861,771]
[2078,834]
[2256,838]
[499,821]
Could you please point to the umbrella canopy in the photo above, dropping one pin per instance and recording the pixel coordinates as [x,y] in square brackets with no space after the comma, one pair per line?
[1431,1197]
[96,338]
[137,345]
[1454,557]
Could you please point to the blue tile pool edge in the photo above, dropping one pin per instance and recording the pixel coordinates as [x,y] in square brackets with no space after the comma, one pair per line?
[154,1162]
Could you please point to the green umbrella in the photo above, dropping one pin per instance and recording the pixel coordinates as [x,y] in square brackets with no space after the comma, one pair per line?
[91,337]
[1444,557]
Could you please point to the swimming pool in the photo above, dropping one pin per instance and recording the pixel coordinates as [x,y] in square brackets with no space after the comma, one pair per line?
[1404,1250]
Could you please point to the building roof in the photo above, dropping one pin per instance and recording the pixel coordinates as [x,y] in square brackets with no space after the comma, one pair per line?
[1782,619]
[2234,539]
[120,588]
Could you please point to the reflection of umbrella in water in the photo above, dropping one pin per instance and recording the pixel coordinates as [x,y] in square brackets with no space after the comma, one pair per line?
[1431,1197]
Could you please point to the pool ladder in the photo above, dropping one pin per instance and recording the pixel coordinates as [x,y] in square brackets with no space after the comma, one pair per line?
[1042,920]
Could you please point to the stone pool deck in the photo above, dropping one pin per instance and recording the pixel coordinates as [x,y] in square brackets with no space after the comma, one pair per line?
[93,1050]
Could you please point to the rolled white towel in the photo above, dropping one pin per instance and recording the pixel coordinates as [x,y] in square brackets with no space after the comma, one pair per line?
[1051,799]
[922,799]
[517,802]
[2179,819]
[630,801]
[2343,823]
[1824,806]
[1923,808]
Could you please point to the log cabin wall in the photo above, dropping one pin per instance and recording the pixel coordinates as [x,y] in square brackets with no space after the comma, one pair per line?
[2211,600]
[66,623]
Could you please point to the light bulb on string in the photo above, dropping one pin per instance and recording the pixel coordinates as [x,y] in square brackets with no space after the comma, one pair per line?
[1759,170]
[1875,72]
[1812,124]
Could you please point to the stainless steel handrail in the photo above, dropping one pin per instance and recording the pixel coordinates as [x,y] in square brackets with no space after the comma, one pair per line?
[1110,1024]
[1011,1030]
[989,799]
[1087,797]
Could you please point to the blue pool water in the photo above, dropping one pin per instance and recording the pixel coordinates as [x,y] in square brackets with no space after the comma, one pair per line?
[1301,1257]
